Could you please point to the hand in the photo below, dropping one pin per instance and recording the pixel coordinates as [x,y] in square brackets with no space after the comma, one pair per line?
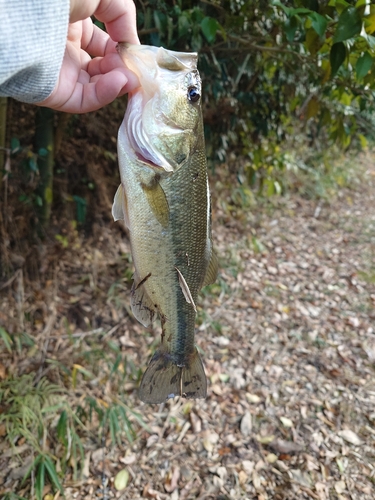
[86,84]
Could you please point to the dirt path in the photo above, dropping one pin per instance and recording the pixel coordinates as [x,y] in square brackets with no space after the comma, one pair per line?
[288,340]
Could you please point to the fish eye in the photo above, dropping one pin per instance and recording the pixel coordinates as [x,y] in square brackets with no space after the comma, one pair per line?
[193,94]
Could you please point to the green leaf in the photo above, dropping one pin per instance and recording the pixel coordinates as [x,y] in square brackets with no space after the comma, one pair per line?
[349,25]
[6,339]
[209,27]
[340,5]
[313,41]
[38,201]
[51,469]
[14,144]
[100,24]
[196,42]
[337,57]
[183,25]
[43,152]
[369,20]
[270,187]
[312,108]
[319,23]
[62,425]
[371,41]
[299,10]
[290,28]
[363,65]
[160,20]
[81,206]
[257,245]
[291,12]
[362,140]
[287,10]
[33,165]
[39,481]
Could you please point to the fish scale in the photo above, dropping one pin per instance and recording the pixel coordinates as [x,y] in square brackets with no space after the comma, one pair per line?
[164,201]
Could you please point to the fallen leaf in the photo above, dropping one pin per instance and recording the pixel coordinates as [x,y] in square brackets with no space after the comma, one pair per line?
[128,459]
[252,398]
[281,446]
[265,439]
[271,458]
[256,480]
[242,477]
[172,480]
[210,439]
[154,438]
[248,466]
[286,422]
[196,422]
[350,436]
[121,480]
[340,487]
[246,424]
[224,451]
[301,477]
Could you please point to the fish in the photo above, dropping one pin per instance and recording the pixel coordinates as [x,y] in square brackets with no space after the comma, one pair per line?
[164,201]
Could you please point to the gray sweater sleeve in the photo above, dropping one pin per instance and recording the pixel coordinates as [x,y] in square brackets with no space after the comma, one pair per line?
[33,36]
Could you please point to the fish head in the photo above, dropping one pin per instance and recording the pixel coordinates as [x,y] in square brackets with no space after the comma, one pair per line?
[163,119]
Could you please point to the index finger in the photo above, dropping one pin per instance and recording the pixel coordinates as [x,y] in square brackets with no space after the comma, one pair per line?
[119,17]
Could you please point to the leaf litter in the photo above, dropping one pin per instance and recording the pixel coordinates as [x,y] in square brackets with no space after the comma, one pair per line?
[288,339]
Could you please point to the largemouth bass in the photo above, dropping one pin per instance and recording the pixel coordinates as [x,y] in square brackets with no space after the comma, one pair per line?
[164,200]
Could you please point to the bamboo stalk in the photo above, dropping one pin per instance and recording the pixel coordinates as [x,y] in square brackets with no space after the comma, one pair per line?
[44,148]
[3,129]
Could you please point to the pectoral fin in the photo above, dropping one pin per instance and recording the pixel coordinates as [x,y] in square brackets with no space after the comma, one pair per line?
[143,307]
[211,273]
[158,202]
[185,289]
[120,206]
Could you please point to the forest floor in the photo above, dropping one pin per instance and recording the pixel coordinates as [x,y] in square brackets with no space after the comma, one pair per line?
[287,335]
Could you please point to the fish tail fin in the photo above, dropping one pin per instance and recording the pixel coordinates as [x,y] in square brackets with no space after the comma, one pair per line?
[164,379]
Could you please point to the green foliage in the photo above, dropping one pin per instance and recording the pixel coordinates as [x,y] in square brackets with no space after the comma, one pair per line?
[15,341]
[44,468]
[28,405]
[53,425]
[12,496]
[274,69]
